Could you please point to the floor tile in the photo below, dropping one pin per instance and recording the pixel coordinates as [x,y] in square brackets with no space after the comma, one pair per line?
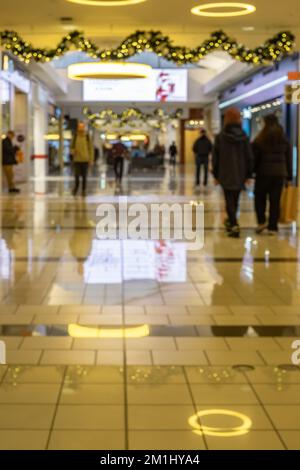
[26,417]
[29,393]
[23,440]
[179,358]
[68,357]
[37,342]
[84,417]
[288,394]
[74,393]
[223,394]
[159,417]
[23,357]
[158,394]
[234,358]
[254,440]
[291,439]
[202,344]
[36,374]
[95,375]
[165,440]
[87,440]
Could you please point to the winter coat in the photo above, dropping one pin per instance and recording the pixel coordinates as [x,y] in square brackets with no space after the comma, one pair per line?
[232,158]
[275,160]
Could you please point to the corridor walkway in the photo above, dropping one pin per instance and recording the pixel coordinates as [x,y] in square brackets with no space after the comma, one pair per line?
[105,350]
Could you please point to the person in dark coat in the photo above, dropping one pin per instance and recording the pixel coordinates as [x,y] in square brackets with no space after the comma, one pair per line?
[173,152]
[232,165]
[202,149]
[272,166]
[9,160]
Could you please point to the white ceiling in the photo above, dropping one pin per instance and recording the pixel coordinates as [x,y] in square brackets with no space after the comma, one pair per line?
[39,20]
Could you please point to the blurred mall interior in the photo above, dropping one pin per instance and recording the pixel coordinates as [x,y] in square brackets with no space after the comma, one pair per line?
[150,343]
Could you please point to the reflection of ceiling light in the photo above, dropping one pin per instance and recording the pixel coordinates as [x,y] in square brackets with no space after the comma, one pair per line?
[200,429]
[140,137]
[248,28]
[78,331]
[237,9]
[67,136]
[108,70]
[111,136]
[107,3]
[69,27]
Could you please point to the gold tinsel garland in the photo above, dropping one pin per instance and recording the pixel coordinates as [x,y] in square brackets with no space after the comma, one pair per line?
[273,50]
[129,117]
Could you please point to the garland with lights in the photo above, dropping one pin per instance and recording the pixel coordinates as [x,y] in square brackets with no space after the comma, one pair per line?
[130,116]
[273,50]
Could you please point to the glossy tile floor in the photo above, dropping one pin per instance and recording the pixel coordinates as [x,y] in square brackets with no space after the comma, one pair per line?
[111,345]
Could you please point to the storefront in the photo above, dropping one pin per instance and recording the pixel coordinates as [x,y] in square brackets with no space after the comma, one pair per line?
[263,93]
[15,96]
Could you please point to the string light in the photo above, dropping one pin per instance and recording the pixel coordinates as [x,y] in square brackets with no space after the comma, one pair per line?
[273,50]
[129,116]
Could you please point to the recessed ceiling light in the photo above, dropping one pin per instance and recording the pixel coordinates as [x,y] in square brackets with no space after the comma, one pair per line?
[108,70]
[236,9]
[107,3]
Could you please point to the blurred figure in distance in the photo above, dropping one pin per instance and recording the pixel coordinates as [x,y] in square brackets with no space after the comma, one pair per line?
[83,155]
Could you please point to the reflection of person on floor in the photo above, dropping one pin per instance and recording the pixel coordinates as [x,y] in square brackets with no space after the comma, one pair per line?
[81,240]
[83,156]
[202,149]
[273,165]
[173,152]
[9,160]
[119,152]
[232,165]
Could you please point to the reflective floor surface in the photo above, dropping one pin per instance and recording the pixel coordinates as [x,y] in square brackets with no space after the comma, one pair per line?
[147,345]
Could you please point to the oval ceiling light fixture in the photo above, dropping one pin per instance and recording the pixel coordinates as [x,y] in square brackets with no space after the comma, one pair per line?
[236,9]
[108,70]
[107,3]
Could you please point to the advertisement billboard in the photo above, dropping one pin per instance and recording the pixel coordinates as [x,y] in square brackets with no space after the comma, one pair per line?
[162,85]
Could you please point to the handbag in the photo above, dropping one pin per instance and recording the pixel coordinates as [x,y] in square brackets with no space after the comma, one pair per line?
[289,205]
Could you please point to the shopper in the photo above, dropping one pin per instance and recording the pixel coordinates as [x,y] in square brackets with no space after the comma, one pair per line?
[173,152]
[9,160]
[202,149]
[119,152]
[83,156]
[272,166]
[232,165]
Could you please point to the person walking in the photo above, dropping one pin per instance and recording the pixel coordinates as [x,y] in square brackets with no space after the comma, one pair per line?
[83,156]
[9,160]
[202,149]
[173,152]
[272,166]
[232,166]
[119,152]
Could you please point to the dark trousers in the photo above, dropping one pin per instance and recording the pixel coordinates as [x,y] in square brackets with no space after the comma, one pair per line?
[81,171]
[232,205]
[201,160]
[118,167]
[268,188]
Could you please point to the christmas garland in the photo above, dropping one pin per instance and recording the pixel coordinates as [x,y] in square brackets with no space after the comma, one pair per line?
[130,116]
[272,50]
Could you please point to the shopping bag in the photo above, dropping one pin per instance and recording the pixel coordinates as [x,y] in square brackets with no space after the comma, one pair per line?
[289,205]
[19,156]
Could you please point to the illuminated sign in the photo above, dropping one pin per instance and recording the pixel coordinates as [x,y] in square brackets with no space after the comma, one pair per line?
[162,85]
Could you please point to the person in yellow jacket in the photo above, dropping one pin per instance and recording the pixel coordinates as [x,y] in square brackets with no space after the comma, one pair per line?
[83,155]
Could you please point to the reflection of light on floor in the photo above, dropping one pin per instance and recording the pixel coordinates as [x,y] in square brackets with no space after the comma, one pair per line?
[78,331]
[200,429]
